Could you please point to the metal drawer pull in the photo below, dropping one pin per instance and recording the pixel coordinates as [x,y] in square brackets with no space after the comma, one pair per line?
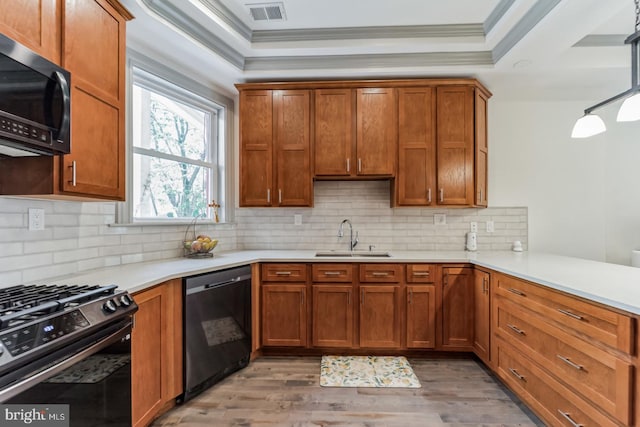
[268,195]
[359,165]
[442,195]
[517,292]
[421,273]
[570,363]
[279,196]
[429,196]
[283,273]
[331,273]
[73,173]
[570,314]
[379,274]
[568,418]
[348,165]
[516,374]
[516,329]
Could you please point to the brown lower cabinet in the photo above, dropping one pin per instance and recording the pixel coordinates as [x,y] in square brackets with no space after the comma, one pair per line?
[156,351]
[284,315]
[421,316]
[457,308]
[482,315]
[380,314]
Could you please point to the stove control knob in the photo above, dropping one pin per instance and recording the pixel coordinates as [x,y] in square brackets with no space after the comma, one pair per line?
[125,300]
[110,306]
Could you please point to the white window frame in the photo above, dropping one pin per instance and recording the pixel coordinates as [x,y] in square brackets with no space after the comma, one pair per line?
[168,82]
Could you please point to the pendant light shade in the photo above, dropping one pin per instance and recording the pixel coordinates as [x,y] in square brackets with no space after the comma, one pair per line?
[588,125]
[630,109]
[591,124]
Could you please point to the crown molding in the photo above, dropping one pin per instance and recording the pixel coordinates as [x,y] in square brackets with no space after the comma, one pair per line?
[602,40]
[225,14]
[178,19]
[351,33]
[537,12]
[167,10]
[496,15]
[392,60]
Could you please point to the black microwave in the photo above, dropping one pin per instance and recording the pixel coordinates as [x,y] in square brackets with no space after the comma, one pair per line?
[35,103]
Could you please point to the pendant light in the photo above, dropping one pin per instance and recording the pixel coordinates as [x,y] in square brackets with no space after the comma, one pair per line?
[591,124]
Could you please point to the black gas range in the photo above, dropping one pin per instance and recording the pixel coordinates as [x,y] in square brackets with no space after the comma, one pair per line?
[62,344]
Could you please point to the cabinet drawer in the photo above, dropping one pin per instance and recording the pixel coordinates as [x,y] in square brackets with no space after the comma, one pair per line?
[421,273]
[284,272]
[597,375]
[342,273]
[586,319]
[555,403]
[380,273]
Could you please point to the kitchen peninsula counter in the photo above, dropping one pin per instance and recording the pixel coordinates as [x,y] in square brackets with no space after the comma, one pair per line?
[613,285]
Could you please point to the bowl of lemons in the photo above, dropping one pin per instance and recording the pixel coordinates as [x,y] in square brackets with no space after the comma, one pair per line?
[201,247]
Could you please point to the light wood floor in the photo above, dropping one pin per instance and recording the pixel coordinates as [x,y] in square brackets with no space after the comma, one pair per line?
[280,391]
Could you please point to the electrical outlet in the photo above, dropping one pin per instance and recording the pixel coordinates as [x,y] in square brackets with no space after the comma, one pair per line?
[490,227]
[440,219]
[297,219]
[36,219]
[474,227]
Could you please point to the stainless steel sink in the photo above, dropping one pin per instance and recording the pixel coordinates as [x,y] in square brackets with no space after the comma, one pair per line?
[358,254]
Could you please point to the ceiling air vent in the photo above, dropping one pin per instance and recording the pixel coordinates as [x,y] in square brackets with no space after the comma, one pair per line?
[266,11]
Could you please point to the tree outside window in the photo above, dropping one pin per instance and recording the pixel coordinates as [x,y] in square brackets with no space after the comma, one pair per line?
[174,154]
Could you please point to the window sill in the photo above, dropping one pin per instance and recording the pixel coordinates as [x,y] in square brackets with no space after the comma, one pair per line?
[166,223]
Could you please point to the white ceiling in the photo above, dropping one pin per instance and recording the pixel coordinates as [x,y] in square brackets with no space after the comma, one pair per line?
[521,49]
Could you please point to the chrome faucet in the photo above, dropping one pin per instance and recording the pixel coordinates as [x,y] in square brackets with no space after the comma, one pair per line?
[352,241]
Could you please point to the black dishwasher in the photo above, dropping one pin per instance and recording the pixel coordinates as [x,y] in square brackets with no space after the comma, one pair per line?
[217,327]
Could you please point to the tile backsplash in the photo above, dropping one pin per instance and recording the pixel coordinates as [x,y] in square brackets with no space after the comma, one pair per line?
[366,205]
[79,236]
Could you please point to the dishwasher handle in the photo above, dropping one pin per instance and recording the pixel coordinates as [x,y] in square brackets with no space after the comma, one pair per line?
[217,285]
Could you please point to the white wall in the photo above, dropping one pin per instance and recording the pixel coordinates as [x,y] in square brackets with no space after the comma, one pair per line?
[581,194]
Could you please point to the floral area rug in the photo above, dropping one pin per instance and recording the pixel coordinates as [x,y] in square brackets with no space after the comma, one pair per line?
[367,371]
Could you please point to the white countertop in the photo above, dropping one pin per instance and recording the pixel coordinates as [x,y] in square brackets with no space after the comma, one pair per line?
[611,284]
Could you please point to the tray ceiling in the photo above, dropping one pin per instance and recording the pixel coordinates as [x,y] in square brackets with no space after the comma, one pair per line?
[565,48]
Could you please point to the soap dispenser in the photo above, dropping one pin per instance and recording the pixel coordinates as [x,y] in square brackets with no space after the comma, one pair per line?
[472,241]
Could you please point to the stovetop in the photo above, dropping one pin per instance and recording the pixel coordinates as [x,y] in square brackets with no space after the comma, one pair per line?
[36,318]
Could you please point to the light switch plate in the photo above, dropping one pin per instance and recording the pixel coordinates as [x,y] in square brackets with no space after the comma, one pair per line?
[490,227]
[440,219]
[36,219]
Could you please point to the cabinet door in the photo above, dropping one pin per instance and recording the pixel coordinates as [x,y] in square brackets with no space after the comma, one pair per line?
[415,180]
[455,124]
[332,315]
[293,158]
[333,132]
[457,308]
[380,311]
[284,315]
[33,23]
[482,149]
[256,147]
[481,291]
[156,351]
[421,316]
[96,166]
[376,131]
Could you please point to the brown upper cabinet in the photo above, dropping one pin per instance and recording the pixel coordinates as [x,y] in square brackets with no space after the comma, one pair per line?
[429,135]
[365,116]
[68,32]
[34,24]
[275,159]
[416,180]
